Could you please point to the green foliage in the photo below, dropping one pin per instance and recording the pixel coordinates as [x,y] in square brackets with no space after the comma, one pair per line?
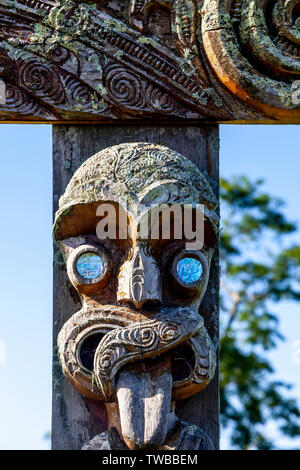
[260,266]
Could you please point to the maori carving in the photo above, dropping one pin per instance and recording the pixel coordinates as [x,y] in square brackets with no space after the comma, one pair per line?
[256,56]
[194,60]
[139,343]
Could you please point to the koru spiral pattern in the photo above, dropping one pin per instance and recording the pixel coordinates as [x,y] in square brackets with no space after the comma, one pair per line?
[193,60]
[125,341]
[253,47]
[149,338]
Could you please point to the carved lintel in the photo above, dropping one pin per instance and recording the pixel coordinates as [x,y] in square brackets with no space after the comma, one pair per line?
[188,60]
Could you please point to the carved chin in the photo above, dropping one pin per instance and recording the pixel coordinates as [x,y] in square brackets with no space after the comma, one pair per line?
[142,363]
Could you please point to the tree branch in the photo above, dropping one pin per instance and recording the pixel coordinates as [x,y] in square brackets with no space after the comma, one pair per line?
[236,298]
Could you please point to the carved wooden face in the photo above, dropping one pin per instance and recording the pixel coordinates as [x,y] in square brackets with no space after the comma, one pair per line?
[139,332]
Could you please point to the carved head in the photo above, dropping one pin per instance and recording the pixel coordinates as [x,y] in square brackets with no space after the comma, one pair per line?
[139,342]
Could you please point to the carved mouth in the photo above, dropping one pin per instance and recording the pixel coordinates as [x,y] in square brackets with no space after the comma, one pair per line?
[108,354]
[183,362]
[182,358]
[144,391]
[88,349]
[94,345]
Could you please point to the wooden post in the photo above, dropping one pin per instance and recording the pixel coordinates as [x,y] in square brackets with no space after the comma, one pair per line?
[73,423]
[103,73]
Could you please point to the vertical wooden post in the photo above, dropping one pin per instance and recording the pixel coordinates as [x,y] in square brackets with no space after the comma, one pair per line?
[72,422]
[132,62]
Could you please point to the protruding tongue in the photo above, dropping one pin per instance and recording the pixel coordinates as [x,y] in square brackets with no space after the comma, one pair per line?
[144,393]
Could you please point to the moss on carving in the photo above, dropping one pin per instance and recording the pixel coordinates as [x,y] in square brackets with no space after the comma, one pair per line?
[254,30]
[15,53]
[70,21]
[146,40]
[233,63]
[137,174]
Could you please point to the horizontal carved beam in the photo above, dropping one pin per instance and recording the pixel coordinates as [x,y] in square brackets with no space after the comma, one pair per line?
[124,60]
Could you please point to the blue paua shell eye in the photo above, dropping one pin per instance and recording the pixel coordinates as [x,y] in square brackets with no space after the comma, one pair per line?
[189,270]
[89,265]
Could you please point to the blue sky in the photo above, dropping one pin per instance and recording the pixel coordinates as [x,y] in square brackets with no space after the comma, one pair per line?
[269,152]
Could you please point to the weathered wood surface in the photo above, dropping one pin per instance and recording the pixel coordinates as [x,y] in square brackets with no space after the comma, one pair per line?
[74,423]
[186,60]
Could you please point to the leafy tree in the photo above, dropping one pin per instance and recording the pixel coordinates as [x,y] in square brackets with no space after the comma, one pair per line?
[260,265]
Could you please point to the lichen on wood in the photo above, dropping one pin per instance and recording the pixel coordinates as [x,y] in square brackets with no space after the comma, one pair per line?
[188,60]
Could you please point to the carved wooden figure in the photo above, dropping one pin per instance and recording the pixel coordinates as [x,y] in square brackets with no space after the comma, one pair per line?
[135,344]
[118,79]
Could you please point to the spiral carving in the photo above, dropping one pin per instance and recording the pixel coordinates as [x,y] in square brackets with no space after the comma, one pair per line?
[124,87]
[108,358]
[222,60]
[79,94]
[15,98]
[275,46]
[286,22]
[36,77]
[59,55]
[18,101]
[159,100]
[138,337]
[42,81]
[141,340]
[168,331]
[254,50]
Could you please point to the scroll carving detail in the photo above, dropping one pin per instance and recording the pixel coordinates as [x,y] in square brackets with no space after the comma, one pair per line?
[253,47]
[211,60]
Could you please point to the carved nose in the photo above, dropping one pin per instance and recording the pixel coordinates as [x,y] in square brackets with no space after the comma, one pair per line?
[140,279]
[138,292]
